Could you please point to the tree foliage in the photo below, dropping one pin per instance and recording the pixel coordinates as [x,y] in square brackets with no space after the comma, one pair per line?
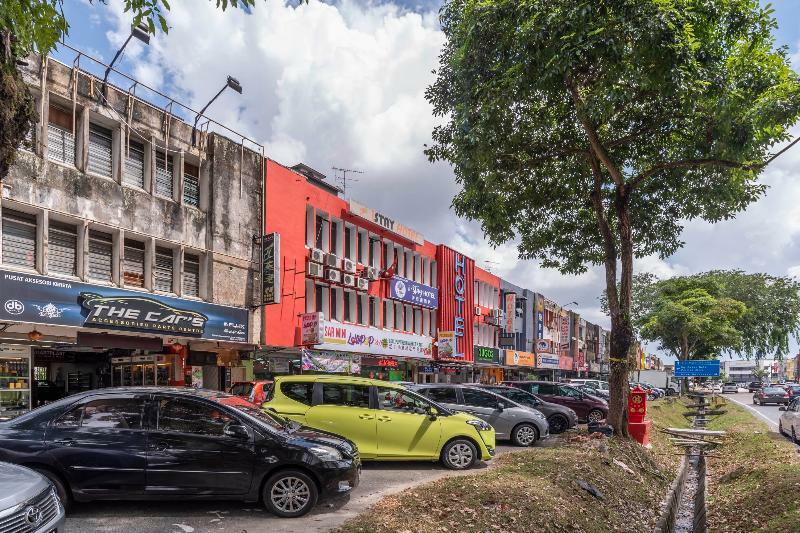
[590,130]
[772,307]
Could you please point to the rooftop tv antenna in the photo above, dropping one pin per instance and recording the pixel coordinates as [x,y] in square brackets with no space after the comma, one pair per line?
[343,179]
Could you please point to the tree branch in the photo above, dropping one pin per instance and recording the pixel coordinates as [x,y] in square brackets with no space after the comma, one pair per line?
[655,169]
[591,132]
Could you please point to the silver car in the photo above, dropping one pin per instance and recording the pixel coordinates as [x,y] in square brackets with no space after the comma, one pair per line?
[511,421]
[28,502]
[789,422]
[730,387]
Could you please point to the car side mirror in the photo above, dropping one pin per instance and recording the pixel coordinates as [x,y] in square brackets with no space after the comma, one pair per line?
[236,432]
[501,406]
[433,413]
[782,408]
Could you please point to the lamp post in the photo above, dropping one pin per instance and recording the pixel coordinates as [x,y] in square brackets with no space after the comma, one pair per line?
[140,32]
[234,84]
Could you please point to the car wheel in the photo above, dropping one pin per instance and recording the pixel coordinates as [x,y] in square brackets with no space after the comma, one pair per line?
[524,435]
[290,494]
[780,427]
[794,437]
[558,424]
[459,454]
[62,491]
[595,415]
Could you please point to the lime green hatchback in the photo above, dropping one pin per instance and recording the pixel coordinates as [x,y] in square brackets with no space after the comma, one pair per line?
[386,421]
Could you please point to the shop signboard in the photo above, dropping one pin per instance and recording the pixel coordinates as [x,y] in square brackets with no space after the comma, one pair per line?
[383,362]
[327,361]
[410,291]
[539,316]
[516,358]
[279,366]
[701,368]
[564,336]
[197,377]
[507,340]
[51,301]
[486,355]
[547,361]
[362,339]
[387,223]
[311,329]
[511,311]
[271,269]
[544,346]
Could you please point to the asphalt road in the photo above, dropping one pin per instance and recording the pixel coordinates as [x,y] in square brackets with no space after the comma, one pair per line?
[377,480]
[766,413]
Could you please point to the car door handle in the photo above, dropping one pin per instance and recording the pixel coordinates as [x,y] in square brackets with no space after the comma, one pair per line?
[384,418]
[64,442]
[366,417]
[158,447]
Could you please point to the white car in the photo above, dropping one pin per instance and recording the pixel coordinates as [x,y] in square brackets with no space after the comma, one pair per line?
[730,387]
[28,502]
[789,422]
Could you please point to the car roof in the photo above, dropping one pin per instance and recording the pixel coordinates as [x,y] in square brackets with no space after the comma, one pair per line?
[182,391]
[327,378]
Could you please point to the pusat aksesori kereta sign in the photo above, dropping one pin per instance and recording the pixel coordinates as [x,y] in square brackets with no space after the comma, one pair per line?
[137,312]
[386,222]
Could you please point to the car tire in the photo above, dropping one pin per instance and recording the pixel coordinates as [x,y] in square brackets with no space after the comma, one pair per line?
[780,428]
[557,424]
[459,454]
[289,494]
[62,489]
[794,437]
[524,435]
[595,415]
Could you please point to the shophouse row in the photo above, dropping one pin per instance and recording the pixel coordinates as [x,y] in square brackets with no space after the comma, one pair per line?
[140,248]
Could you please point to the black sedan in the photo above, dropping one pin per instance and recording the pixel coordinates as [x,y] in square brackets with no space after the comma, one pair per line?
[164,443]
[776,395]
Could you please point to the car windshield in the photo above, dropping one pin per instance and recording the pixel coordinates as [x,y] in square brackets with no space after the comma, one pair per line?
[266,418]
[774,390]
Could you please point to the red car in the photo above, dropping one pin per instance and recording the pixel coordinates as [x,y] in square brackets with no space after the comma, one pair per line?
[255,391]
[588,408]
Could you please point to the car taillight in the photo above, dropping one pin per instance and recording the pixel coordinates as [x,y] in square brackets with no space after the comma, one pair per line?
[785,394]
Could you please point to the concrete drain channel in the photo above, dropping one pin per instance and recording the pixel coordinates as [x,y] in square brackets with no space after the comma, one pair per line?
[685,507]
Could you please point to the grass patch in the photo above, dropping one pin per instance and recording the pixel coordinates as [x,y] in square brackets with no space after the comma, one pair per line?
[755,483]
[534,490]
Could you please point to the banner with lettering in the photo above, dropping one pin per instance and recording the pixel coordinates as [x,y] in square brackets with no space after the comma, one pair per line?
[362,339]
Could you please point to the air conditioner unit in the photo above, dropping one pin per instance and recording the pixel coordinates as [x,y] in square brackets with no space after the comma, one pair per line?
[477,311]
[331,260]
[317,255]
[372,273]
[315,270]
[363,284]
[349,266]
[348,279]
[497,313]
[333,275]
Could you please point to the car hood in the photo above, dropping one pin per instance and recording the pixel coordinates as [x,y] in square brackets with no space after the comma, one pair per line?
[19,484]
[464,416]
[306,436]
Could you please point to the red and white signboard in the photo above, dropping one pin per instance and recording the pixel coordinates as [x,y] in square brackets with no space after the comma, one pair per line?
[311,329]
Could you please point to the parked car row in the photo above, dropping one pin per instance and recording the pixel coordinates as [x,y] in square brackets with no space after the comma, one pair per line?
[285,443]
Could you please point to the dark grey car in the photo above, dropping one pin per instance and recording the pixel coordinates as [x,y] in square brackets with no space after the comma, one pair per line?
[511,421]
[559,417]
[28,502]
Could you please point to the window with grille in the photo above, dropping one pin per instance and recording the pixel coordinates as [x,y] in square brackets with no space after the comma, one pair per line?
[133,264]
[164,180]
[62,249]
[99,151]
[134,165]
[19,239]
[162,275]
[191,275]
[60,138]
[100,259]
[191,185]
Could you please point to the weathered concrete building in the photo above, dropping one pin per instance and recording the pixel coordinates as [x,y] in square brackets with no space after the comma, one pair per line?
[123,238]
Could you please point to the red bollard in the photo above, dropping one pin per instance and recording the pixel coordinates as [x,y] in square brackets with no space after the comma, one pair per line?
[638,427]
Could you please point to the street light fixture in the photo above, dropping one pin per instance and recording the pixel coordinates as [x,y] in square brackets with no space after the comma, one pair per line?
[140,32]
[234,84]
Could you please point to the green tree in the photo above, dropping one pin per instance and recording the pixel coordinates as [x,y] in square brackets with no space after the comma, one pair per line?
[771,318]
[759,373]
[36,26]
[591,129]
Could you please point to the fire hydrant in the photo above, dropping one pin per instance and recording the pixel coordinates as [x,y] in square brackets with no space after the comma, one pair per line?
[638,427]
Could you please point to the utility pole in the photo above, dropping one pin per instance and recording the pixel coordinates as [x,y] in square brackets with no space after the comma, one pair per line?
[343,179]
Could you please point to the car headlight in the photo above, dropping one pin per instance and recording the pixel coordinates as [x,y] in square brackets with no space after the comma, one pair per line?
[480,425]
[326,453]
[538,414]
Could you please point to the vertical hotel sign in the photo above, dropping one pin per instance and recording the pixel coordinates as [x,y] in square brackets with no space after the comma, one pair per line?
[271,269]
[456,274]
[459,286]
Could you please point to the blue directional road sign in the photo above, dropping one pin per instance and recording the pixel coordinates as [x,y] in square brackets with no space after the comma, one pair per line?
[700,369]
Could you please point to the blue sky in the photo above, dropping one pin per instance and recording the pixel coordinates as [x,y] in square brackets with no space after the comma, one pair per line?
[342,84]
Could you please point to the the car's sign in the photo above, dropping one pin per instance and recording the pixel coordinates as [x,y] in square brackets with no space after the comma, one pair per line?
[51,301]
